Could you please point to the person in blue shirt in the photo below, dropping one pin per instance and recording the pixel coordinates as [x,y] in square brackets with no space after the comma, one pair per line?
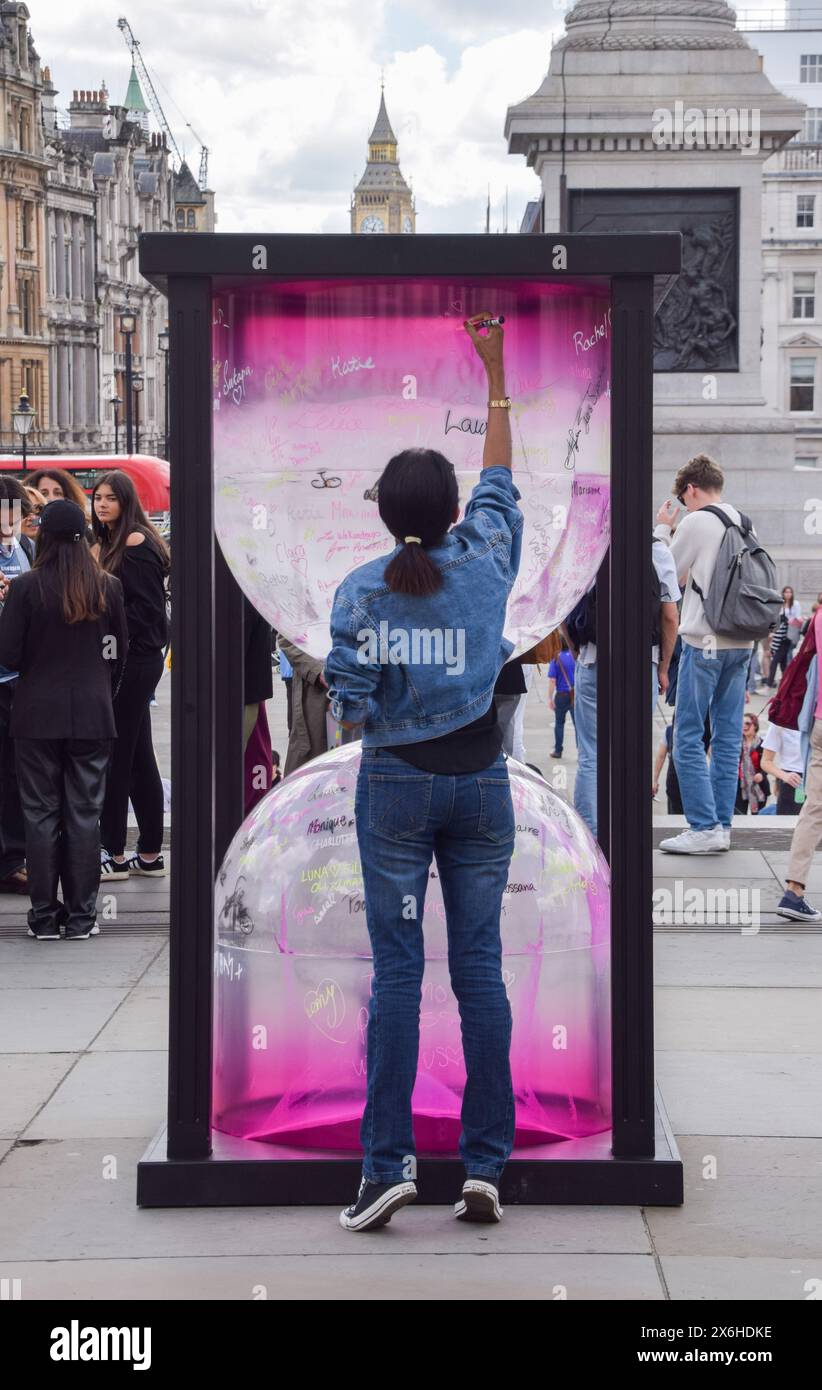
[14,561]
[561,694]
[417,645]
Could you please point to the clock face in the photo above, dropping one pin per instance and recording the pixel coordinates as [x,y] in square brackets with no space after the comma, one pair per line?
[407,224]
[372,224]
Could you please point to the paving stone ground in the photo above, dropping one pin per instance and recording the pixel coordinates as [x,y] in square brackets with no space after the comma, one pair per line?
[738,1042]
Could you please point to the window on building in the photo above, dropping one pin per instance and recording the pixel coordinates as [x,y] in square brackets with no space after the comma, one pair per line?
[28,225]
[181,217]
[190,217]
[810,67]
[805,209]
[802,383]
[812,125]
[67,268]
[804,296]
[25,303]
[805,461]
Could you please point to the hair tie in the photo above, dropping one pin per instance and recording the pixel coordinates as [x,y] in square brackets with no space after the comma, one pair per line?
[415,539]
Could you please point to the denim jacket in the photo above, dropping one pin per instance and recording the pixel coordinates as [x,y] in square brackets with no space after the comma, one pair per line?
[806,715]
[413,668]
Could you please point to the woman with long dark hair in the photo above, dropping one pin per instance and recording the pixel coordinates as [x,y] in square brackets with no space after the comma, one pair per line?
[63,628]
[417,646]
[128,546]
[15,560]
[57,483]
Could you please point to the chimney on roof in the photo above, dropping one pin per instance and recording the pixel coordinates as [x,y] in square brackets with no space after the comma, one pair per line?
[87,110]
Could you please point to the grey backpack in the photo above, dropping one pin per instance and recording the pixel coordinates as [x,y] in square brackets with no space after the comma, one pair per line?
[742,599]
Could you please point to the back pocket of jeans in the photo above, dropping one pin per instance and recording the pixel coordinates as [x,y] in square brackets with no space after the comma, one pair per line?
[496,813]
[398,806]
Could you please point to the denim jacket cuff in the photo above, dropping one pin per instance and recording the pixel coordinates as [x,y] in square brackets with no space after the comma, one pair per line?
[354,711]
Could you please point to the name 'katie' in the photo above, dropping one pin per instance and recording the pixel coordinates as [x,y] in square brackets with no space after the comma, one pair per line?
[352,364]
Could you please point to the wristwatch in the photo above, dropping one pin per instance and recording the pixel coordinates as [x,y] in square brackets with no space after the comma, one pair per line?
[505,403]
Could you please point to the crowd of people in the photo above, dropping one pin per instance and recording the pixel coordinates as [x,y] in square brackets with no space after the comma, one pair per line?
[718,762]
[83,636]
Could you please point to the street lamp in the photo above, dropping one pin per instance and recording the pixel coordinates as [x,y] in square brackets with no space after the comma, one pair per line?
[128,323]
[115,405]
[137,383]
[23,419]
[164,343]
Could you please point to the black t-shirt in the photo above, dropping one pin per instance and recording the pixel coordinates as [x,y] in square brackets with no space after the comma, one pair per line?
[142,576]
[511,680]
[470,749]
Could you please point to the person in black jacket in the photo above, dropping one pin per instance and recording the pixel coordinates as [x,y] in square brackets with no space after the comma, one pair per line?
[128,546]
[63,628]
[15,559]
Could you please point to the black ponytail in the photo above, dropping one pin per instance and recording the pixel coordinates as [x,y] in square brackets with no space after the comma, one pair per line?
[417,496]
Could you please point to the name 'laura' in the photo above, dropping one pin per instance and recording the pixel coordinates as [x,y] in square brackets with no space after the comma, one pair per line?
[466,425]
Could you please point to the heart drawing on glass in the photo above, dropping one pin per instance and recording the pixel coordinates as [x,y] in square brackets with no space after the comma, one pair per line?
[325,1006]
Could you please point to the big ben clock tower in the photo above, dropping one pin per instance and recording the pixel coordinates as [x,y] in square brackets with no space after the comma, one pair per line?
[382,200]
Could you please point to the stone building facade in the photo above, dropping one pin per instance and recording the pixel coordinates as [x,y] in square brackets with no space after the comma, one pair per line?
[111,179]
[792,234]
[24,340]
[74,197]
[71,270]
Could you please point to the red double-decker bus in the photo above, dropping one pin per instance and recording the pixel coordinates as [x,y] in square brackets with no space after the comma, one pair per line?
[149,473]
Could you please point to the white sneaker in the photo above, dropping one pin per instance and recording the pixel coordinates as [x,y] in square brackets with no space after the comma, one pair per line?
[698,841]
[726,831]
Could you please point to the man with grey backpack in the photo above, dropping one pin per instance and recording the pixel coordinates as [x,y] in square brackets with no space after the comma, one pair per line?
[730,601]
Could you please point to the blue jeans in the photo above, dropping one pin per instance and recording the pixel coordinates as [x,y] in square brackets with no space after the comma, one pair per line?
[585,724]
[716,684]
[404,817]
[562,707]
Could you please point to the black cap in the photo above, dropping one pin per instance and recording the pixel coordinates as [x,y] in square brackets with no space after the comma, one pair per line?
[64,519]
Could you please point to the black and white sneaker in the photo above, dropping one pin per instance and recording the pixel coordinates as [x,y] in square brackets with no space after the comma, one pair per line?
[479,1201]
[46,934]
[152,868]
[82,935]
[376,1203]
[111,868]
[797,909]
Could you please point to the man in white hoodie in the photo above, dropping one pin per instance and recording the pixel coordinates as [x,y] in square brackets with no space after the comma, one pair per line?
[712,669]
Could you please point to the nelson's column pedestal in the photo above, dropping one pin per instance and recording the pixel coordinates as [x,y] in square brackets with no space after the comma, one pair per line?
[610,159]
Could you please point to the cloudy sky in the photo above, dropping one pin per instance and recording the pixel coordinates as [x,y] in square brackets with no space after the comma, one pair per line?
[285,92]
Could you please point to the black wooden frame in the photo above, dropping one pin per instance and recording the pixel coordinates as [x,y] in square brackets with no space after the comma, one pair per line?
[187,1164]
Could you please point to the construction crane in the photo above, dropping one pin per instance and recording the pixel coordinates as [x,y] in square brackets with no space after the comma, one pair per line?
[202,178]
[160,116]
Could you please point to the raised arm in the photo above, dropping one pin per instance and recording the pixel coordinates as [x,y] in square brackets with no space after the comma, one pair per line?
[489,347]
